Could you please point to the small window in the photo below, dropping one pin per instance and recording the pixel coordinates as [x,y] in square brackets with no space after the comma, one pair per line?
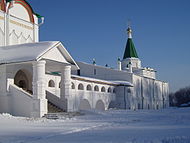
[72,85]
[59,84]
[103,89]
[80,86]
[114,90]
[78,72]
[128,90]
[88,87]
[51,83]
[109,89]
[96,88]
[94,71]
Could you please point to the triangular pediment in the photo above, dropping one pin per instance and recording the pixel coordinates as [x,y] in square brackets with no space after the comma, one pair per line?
[55,55]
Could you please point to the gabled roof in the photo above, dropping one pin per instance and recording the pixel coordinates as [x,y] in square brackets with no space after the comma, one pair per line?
[32,52]
[130,50]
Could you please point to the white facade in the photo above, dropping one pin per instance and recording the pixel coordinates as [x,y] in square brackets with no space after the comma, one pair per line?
[32,82]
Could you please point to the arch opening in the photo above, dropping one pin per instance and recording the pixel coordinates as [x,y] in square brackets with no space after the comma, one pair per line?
[100,105]
[80,86]
[88,87]
[109,89]
[72,85]
[103,89]
[84,105]
[23,79]
[51,83]
[96,88]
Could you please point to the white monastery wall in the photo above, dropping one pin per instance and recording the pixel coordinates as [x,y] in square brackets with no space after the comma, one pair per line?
[83,90]
[91,92]
[105,73]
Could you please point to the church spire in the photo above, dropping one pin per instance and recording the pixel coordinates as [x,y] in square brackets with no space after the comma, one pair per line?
[130,51]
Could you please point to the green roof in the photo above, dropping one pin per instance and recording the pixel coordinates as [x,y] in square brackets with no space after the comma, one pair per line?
[39,16]
[130,50]
[9,0]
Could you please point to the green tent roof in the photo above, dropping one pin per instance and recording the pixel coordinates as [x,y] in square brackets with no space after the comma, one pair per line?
[130,50]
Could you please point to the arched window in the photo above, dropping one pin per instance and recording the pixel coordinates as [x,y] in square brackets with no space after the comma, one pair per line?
[128,90]
[109,89]
[72,85]
[114,90]
[51,83]
[96,88]
[23,79]
[103,89]
[88,87]
[80,86]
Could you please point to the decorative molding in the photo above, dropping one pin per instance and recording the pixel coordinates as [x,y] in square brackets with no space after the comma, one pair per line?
[21,25]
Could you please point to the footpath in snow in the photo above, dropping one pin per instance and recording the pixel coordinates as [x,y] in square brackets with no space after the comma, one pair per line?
[113,126]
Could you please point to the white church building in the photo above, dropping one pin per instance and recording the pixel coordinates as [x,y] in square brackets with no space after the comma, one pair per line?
[37,78]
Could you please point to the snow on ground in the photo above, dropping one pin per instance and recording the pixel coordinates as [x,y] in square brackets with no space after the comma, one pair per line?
[114,126]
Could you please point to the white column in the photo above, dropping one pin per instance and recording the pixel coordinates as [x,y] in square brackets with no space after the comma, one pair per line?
[39,84]
[65,81]
[66,96]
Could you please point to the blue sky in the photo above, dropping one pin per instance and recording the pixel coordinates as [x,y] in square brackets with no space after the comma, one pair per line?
[97,29]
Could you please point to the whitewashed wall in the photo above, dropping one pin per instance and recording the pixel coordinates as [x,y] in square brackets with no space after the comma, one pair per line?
[105,73]
[16,27]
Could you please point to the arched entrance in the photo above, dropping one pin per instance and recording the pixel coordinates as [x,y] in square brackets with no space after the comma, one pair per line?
[84,105]
[23,79]
[100,105]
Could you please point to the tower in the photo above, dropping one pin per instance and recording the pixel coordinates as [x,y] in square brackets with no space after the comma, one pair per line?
[130,57]
[18,23]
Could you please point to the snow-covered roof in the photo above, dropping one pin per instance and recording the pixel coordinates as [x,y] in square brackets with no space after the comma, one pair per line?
[116,83]
[31,52]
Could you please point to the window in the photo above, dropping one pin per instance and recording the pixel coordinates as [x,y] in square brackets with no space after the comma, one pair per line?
[78,72]
[94,71]
[51,83]
[103,89]
[88,87]
[114,90]
[128,90]
[96,88]
[72,85]
[80,86]
[109,89]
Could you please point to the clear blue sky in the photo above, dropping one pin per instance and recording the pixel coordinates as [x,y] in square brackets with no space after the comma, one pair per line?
[97,29]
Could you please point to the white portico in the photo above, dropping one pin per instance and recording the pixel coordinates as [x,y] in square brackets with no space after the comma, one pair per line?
[25,67]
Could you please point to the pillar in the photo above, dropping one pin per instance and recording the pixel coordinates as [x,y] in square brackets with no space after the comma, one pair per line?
[39,106]
[66,97]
